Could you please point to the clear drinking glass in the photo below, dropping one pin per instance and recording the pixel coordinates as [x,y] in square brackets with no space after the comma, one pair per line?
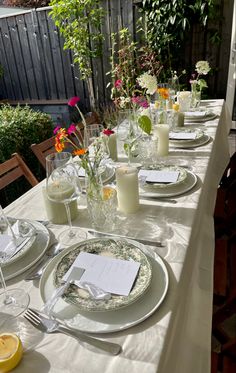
[12,301]
[128,131]
[63,185]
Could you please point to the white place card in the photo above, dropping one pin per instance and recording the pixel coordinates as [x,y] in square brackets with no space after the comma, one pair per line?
[154,176]
[112,275]
[198,114]
[182,135]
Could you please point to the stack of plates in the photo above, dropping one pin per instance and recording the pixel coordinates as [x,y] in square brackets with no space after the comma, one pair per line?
[185,182]
[30,253]
[200,138]
[80,311]
[199,116]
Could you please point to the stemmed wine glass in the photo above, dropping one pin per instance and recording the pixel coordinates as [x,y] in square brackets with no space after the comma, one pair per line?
[63,186]
[128,131]
[12,301]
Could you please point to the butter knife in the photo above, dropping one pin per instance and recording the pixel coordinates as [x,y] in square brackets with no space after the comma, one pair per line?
[143,241]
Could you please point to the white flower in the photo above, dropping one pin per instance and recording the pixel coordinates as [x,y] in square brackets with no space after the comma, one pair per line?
[202,67]
[149,82]
[124,101]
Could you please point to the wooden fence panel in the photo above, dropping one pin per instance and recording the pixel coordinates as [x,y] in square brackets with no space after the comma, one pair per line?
[37,68]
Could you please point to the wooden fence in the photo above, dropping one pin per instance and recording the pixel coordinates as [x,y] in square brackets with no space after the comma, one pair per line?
[37,68]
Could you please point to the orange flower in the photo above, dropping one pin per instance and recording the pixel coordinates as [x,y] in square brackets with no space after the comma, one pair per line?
[61,134]
[164,93]
[80,151]
[59,146]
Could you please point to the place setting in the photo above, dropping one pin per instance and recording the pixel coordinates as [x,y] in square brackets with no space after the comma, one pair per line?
[199,116]
[187,137]
[114,291]
[29,252]
[161,181]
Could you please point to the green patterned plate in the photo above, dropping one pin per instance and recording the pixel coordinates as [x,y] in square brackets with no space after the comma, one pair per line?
[116,248]
[157,186]
[199,135]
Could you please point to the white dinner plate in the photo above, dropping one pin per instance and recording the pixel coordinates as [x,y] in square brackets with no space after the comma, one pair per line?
[110,321]
[164,168]
[114,248]
[190,144]
[35,252]
[198,135]
[209,115]
[188,183]
[25,227]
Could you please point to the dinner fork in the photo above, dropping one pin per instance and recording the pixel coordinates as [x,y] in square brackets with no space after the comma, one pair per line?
[53,326]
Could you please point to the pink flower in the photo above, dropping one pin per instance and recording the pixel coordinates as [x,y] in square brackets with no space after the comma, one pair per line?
[140,101]
[118,83]
[71,129]
[56,129]
[73,101]
[108,132]
[144,104]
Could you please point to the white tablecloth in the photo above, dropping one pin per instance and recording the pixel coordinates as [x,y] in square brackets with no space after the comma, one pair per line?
[177,337]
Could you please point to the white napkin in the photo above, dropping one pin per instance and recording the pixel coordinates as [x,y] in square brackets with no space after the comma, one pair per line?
[182,135]
[11,246]
[163,177]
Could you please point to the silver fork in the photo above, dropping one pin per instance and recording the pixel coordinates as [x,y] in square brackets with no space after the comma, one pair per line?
[53,326]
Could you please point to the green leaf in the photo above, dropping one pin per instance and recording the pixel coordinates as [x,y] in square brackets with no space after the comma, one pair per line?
[145,124]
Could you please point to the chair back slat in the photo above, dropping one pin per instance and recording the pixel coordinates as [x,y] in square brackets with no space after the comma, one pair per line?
[14,168]
[43,149]
[47,147]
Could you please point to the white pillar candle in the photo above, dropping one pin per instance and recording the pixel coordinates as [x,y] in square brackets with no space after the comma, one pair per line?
[56,211]
[112,146]
[162,133]
[127,189]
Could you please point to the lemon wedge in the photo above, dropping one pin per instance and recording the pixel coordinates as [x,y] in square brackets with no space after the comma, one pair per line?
[11,351]
[108,193]
[175,107]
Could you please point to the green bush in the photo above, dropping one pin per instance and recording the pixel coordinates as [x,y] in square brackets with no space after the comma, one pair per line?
[19,128]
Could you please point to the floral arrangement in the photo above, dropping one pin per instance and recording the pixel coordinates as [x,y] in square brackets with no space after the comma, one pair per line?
[202,68]
[133,72]
[73,137]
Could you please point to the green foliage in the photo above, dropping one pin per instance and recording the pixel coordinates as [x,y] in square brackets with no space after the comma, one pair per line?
[19,128]
[79,22]
[145,124]
[168,24]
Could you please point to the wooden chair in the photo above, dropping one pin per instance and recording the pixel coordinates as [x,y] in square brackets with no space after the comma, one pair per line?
[47,147]
[14,168]
[43,149]
[226,362]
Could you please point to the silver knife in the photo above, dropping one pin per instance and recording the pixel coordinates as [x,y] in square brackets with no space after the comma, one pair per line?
[143,241]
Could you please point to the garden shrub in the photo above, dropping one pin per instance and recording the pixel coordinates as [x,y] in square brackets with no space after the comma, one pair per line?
[19,128]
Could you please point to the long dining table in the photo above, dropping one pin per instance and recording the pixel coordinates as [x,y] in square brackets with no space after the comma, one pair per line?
[176,337]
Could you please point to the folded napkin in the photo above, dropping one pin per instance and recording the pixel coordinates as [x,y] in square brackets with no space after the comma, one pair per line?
[182,135]
[9,245]
[161,177]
